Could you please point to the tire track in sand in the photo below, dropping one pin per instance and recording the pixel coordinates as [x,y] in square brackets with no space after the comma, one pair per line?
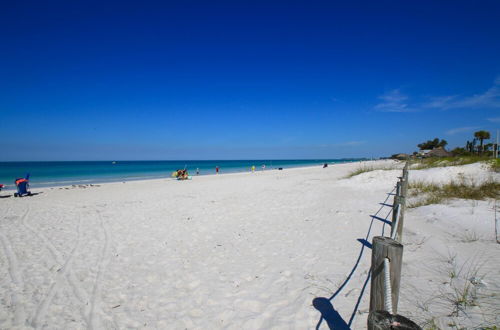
[16,277]
[41,310]
[78,292]
[95,302]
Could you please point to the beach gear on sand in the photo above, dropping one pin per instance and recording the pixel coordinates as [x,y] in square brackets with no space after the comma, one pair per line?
[181,175]
[1,186]
[22,185]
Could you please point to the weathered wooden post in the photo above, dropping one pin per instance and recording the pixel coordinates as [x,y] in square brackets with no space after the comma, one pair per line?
[395,208]
[405,180]
[497,224]
[399,228]
[385,247]
[402,204]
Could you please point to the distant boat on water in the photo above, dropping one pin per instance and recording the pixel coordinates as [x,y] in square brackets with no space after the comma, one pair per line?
[113,163]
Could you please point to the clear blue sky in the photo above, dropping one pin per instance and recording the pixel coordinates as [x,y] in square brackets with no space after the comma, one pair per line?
[244,79]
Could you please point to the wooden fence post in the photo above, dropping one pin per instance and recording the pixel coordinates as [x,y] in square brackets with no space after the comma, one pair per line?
[405,181]
[402,207]
[385,247]
[497,224]
[399,229]
[402,204]
[395,207]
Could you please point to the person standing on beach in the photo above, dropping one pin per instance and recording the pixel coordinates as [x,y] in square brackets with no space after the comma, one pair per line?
[253,168]
[197,171]
[216,169]
[263,167]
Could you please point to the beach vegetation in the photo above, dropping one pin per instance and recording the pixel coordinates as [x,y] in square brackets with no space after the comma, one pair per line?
[367,168]
[431,324]
[463,293]
[431,193]
[359,170]
[431,144]
[426,163]
[495,165]
[469,236]
[481,136]
[459,151]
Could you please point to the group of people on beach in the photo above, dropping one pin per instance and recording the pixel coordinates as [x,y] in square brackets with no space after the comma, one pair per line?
[183,174]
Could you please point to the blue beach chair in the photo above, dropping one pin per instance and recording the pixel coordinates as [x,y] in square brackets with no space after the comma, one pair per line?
[22,185]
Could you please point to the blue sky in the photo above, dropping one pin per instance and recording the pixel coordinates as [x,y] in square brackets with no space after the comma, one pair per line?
[244,79]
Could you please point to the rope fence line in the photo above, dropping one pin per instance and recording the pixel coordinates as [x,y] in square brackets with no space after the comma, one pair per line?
[375,216]
[387,257]
[390,299]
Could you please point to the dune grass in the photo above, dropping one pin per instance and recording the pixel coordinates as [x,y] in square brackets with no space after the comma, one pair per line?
[425,163]
[436,193]
[359,170]
[367,168]
[495,165]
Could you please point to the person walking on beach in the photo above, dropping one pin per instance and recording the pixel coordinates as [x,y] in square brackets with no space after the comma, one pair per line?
[263,167]
[197,171]
[253,168]
[216,169]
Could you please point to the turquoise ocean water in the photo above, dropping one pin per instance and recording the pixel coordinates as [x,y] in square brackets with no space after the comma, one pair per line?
[46,174]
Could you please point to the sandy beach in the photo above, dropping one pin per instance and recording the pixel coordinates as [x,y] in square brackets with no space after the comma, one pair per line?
[235,251]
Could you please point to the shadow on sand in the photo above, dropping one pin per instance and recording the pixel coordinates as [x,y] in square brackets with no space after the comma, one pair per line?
[329,314]
[324,305]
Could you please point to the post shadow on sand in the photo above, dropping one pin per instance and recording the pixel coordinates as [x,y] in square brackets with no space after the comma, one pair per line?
[328,313]
[387,222]
[365,242]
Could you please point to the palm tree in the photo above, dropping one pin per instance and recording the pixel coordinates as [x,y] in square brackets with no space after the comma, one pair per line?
[482,135]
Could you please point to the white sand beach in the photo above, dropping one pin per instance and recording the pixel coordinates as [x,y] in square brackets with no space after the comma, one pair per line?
[237,251]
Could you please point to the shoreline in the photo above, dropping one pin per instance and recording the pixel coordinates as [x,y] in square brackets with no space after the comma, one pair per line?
[97,181]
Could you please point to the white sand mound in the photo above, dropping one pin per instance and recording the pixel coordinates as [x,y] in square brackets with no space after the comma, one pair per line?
[451,276]
[472,173]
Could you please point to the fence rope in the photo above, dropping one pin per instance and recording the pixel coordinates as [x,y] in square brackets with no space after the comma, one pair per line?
[395,225]
[387,283]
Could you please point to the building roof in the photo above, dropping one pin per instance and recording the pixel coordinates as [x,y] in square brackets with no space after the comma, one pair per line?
[439,152]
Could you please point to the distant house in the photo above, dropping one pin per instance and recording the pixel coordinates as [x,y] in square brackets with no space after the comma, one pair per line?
[424,153]
[439,152]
